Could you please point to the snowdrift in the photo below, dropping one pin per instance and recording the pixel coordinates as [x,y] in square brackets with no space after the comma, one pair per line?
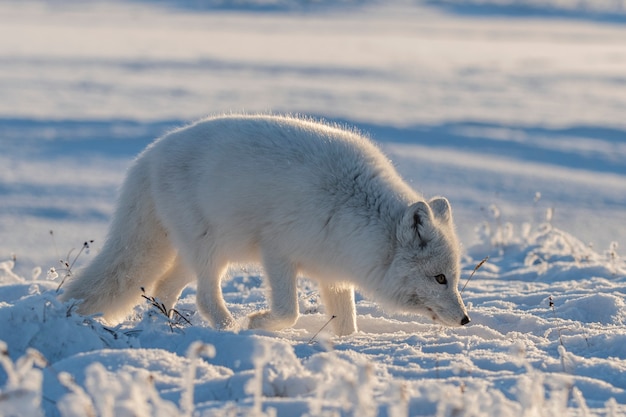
[547,338]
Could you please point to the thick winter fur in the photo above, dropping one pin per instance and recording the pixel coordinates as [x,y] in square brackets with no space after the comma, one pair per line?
[298,196]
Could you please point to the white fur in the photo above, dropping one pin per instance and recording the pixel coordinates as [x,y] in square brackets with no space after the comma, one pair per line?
[297,196]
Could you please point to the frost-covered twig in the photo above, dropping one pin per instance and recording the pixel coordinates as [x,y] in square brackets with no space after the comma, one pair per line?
[22,392]
[78,401]
[107,394]
[613,258]
[196,349]
[6,272]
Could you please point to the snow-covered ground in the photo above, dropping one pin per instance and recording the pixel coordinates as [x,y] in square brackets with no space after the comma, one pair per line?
[514,110]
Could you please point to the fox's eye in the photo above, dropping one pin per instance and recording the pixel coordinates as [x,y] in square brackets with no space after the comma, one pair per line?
[441,279]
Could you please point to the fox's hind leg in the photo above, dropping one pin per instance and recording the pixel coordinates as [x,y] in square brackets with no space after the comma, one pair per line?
[169,287]
[339,302]
[281,274]
[198,255]
[209,298]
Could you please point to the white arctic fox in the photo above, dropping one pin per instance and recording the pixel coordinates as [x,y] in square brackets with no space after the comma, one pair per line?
[297,196]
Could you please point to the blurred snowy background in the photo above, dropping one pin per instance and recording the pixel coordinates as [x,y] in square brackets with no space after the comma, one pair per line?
[514,110]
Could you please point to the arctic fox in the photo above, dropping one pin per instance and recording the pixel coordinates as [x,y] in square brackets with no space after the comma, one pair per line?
[298,196]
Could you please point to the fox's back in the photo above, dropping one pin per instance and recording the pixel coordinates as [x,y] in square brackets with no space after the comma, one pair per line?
[261,158]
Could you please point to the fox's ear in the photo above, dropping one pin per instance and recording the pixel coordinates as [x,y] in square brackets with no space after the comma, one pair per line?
[441,209]
[416,224]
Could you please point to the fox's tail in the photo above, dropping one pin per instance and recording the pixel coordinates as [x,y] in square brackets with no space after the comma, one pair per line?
[136,254]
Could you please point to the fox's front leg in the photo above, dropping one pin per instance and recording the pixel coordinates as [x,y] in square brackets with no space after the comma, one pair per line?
[339,303]
[283,297]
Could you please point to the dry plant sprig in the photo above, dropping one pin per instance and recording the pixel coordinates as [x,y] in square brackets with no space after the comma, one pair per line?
[174,317]
[67,265]
[476,268]
[558,329]
[311,340]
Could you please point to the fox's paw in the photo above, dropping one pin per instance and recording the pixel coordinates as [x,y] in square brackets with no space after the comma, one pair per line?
[228,325]
[266,320]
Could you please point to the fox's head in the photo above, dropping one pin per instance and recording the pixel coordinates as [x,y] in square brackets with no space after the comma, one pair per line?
[423,276]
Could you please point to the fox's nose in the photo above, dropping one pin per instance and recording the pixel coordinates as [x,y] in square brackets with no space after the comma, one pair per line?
[465,320]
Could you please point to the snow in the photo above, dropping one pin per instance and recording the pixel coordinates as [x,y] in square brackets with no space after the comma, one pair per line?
[512,109]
